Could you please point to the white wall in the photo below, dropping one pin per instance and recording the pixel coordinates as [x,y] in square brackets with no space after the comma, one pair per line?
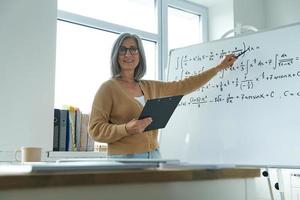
[279,12]
[220,19]
[266,14]
[250,13]
[262,14]
[27,68]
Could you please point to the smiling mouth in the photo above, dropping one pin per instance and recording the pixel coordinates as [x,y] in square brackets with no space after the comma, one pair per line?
[128,61]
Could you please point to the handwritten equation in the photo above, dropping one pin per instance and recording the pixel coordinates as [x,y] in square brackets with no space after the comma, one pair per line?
[228,98]
[252,70]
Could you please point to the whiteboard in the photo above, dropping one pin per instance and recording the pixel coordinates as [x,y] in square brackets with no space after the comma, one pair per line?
[248,114]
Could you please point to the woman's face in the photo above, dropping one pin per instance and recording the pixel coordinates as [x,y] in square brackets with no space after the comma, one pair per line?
[129,57]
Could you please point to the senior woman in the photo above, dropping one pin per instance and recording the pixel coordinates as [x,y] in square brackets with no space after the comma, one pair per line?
[120,100]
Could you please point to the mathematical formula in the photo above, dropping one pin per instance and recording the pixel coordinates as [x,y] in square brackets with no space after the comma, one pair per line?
[252,71]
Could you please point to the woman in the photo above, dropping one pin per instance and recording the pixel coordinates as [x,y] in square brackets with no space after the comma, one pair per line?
[120,100]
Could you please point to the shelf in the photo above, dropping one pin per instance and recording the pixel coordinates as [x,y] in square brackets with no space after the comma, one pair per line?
[75,154]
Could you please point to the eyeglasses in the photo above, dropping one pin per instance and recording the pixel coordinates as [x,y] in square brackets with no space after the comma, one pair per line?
[132,51]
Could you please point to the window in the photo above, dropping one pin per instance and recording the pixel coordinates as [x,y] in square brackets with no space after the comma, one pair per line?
[183,27]
[83,63]
[126,12]
[86,30]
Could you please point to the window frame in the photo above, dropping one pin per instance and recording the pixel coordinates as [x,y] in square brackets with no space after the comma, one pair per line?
[184,6]
[160,38]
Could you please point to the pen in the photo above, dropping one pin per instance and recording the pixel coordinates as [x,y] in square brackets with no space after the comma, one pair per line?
[242,53]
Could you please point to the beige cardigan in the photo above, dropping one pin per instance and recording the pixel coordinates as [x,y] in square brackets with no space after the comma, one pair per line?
[113,108]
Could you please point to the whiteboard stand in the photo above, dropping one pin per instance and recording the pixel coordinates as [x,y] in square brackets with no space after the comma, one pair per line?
[267,175]
[239,29]
[279,184]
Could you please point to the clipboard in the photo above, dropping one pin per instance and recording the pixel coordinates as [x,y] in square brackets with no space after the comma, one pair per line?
[160,110]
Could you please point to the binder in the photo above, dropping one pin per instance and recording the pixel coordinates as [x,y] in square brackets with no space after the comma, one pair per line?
[77,129]
[64,129]
[84,132]
[160,110]
[71,145]
[56,130]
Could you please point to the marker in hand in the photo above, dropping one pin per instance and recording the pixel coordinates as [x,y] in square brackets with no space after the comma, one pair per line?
[241,53]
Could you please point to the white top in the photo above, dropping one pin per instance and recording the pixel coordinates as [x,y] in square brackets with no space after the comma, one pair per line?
[141,99]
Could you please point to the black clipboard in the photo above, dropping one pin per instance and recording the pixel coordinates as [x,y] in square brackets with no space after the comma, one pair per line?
[160,110]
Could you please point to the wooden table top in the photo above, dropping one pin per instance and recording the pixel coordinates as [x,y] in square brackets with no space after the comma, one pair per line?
[151,175]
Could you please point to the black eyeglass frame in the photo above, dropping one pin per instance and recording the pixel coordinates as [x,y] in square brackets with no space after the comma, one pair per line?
[132,50]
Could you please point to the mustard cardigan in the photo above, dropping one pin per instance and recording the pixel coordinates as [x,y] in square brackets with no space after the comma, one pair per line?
[113,108]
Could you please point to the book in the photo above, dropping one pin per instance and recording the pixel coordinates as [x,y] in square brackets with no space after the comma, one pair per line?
[84,132]
[64,128]
[56,130]
[90,143]
[77,129]
[71,133]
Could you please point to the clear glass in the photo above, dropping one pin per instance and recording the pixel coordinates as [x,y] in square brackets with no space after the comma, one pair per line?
[139,14]
[83,63]
[184,28]
[151,60]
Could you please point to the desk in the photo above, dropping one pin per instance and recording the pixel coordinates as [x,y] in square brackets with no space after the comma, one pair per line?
[130,184]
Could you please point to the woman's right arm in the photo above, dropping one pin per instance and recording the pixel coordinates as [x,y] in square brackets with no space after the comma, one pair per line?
[192,83]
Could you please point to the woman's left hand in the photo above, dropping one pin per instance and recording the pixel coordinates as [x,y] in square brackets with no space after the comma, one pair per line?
[228,61]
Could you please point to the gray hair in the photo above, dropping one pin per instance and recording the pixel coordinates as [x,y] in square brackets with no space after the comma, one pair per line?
[140,70]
